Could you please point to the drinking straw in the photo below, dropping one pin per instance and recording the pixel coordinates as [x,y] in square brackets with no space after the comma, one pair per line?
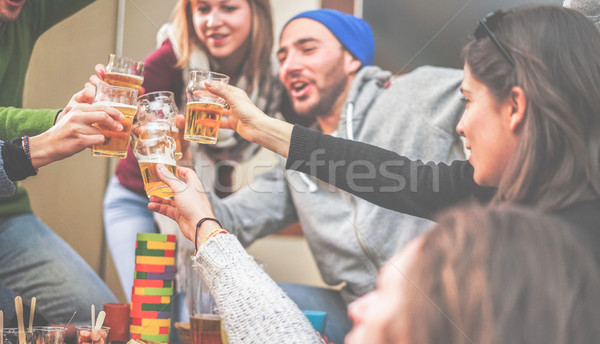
[31,312]
[1,327]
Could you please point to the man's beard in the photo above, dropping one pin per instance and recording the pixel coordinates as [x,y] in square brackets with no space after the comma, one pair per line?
[328,97]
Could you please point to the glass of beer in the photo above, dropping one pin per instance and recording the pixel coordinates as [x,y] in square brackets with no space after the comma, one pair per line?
[159,106]
[124,71]
[204,109]
[124,100]
[205,322]
[155,148]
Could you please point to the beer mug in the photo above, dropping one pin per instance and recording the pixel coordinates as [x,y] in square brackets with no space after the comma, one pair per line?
[159,106]
[124,100]
[124,71]
[156,148]
[204,109]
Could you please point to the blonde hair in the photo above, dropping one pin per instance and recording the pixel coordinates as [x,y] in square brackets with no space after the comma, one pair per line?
[261,36]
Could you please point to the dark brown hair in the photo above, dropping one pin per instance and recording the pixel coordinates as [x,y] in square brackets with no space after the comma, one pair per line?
[557,54]
[501,275]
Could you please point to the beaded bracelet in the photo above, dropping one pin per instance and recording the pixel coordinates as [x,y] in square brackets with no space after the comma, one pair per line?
[202,220]
[25,142]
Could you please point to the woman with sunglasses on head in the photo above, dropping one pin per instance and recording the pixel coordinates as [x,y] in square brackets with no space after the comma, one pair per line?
[531,123]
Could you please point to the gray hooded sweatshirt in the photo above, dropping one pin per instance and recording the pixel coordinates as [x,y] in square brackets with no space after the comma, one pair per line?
[350,238]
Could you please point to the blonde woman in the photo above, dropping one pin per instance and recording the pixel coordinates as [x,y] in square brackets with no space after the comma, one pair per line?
[234,37]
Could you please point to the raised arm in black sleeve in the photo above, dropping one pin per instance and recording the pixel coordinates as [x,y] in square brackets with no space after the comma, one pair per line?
[383,177]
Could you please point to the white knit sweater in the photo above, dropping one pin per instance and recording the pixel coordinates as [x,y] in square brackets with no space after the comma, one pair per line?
[252,307]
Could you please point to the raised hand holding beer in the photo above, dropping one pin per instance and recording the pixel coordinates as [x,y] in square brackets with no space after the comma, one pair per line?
[250,122]
[73,133]
[124,100]
[189,204]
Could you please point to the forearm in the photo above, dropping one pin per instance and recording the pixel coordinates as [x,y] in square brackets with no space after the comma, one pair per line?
[40,151]
[383,177]
[273,134]
[253,308]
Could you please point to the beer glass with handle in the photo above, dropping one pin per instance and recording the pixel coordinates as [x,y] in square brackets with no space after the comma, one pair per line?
[155,148]
[124,71]
[204,109]
[159,107]
[124,100]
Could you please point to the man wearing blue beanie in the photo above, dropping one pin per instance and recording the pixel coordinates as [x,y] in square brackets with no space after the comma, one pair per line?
[326,67]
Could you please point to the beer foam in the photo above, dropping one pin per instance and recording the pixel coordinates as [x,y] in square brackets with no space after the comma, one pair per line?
[206,101]
[137,77]
[157,160]
[115,104]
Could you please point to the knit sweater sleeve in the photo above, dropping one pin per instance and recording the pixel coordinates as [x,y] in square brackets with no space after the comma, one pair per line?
[383,177]
[7,187]
[252,307]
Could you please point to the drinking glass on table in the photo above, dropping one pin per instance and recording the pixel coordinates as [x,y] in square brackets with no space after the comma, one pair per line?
[155,148]
[11,336]
[89,335]
[124,100]
[49,334]
[159,107]
[124,71]
[204,109]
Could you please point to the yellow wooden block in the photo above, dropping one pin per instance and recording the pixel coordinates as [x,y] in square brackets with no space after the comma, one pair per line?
[157,245]
[155,260]
[165,299]
[144,329]
[156,322]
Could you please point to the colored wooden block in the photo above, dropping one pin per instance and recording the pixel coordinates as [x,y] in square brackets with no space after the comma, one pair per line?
[161,338]
[153,283]
[154,268]
[155,237]
[151,322]
[154,253]
[155,260]
[156,245]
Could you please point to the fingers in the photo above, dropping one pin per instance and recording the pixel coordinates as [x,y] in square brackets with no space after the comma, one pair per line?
[86,95]
[103,115]
[218,89]
[227,123]
[170,179]
[100,70]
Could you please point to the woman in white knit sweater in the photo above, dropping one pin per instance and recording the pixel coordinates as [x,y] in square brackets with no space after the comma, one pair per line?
[495,275]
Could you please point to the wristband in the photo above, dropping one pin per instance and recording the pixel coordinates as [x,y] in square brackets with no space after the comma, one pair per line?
[199,224]
[17,162]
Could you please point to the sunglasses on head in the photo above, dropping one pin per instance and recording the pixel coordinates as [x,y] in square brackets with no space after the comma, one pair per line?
[484,28]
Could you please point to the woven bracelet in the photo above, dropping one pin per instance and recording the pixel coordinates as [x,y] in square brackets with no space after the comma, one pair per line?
[202,220]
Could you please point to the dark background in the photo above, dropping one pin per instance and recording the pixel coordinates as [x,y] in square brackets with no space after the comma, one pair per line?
[403,29]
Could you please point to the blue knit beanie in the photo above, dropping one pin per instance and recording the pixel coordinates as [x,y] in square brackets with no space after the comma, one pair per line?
[354,33]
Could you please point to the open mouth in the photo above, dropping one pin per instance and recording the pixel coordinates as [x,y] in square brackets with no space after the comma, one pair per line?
[298,88]
[218,38]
